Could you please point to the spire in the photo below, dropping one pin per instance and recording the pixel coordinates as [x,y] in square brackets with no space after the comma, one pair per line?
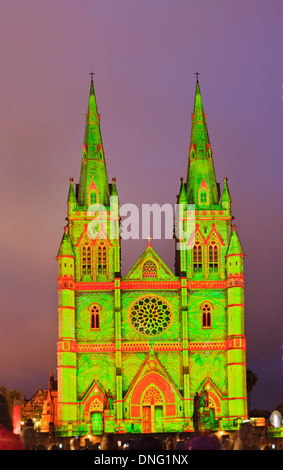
[182,194]
[93,169]
[235,247]
[199,133]
[226,198]
[201,174]
[71,195]
[66,248]
[92,123]
[114,192]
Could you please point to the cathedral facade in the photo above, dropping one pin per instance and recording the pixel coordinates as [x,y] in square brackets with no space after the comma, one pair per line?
[154,351]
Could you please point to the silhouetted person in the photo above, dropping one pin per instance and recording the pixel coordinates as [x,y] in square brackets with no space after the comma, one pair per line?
[108,442]
[180,441]
[196,411]
[243,439]
[146,443]
[170,443]
[266,447]
[53,447]
[8,440]
[225,442]
[29,438]
[205,441]
[40,447]
[75,443]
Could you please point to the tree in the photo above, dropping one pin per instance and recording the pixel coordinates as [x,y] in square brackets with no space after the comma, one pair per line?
[10,395]
[279,408]
[252,379]
[256,413]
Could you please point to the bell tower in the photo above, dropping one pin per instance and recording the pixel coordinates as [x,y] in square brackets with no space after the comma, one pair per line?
[211,265]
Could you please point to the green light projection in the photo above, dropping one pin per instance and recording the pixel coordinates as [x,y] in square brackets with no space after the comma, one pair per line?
[150,316]
[138,367]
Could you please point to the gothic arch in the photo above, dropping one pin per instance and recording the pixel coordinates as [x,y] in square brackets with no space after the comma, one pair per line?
[203,193]
[161,383]
[214,397]
[94,403]
[149,268]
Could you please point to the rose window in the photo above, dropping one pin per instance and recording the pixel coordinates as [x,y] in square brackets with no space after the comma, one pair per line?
[150,316]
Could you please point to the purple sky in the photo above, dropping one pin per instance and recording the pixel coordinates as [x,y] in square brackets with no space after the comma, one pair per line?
[144,55]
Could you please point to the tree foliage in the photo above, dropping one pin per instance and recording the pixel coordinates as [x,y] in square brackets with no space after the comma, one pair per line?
[252,379]
[10,395]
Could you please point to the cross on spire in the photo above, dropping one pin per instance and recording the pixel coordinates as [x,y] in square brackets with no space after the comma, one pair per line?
[92,74]
[197,75]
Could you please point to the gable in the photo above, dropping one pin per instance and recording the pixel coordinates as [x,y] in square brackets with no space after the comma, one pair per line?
[151,267]
[152,368]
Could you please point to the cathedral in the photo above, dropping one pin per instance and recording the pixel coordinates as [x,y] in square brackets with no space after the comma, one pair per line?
[154,351]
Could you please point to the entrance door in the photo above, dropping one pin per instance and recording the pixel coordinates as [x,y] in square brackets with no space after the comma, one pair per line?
[146,419]
[158,418]
[96,423]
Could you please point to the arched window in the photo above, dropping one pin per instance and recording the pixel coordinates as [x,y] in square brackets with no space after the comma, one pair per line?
[95,317]
[101,259]
[149,269]
[93,197]
[203,196]
[208,152]
[192,152]
[197,258]
[100,152]
[206,315]
[86,253]
[213,257]
[203,193]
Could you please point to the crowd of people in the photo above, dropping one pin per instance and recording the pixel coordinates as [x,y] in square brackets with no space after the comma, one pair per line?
[28,439]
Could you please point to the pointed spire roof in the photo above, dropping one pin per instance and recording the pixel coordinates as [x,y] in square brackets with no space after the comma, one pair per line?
[66,248]
[92,124]
[114,192]
[71,195]
[200,165]
[93,167]
[199,133]
[226,193]
[182,195]
[235,247]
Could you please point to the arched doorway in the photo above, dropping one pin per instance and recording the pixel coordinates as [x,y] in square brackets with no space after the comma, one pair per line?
[96,417]
[152,411]
[153,402]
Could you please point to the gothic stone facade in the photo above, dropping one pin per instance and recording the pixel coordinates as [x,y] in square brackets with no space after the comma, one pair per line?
[134,351]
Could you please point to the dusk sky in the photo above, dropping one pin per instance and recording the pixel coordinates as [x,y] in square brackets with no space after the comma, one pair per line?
[144,54]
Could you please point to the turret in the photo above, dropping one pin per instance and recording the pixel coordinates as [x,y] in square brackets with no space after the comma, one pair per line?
[180,232]
[236,342]
[226,198]
[115,228]
[72,200]
[66,345]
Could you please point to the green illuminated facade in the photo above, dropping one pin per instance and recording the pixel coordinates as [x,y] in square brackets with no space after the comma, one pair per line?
[134,351]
